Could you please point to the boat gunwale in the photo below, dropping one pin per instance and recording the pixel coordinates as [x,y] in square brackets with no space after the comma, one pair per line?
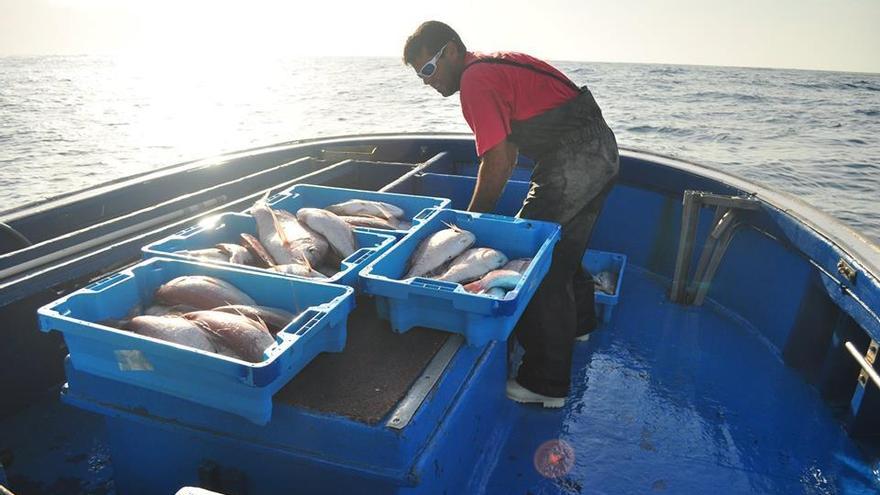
[824,225]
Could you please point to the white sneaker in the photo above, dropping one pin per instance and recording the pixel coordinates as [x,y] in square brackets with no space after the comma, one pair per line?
[518,393]
[583,338]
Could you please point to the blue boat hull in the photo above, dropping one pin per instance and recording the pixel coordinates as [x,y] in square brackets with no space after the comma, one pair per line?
[753,391]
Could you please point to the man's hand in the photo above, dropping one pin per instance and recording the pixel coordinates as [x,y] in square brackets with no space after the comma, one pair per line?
[495,169]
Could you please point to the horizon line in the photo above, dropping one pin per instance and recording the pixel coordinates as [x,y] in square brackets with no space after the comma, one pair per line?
[555,60]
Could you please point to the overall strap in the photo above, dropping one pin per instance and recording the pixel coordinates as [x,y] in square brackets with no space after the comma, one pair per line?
[501,61]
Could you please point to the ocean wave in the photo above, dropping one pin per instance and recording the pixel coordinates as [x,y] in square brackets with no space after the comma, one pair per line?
[70,122]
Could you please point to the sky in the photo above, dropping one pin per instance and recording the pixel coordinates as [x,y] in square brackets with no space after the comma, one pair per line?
[842,35]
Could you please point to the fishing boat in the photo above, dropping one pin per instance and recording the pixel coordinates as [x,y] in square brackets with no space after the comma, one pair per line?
[739,357]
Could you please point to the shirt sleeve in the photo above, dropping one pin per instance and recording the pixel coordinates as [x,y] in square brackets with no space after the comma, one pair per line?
[485,110]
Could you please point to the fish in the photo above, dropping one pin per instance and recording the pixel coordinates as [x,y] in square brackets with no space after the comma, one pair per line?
[226,252]
[236,253]
[274,318]
[257,250]
[174,329]
[496,292]
[370,222]
[518,265]
[363,207]
[246,338]
[328,271]
[334,229]
[505,279]
[298,269]
[284,238]
[605,282]
[473,264]
[439,248]
[162,310]
[207,254]
[200,292]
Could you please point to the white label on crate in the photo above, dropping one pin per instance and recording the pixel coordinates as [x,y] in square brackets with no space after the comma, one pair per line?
[132,360]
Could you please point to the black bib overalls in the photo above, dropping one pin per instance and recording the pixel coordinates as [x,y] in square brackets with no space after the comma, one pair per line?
[576,164]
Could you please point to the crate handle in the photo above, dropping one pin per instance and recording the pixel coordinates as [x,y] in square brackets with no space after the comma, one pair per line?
[359,256]
[301,326]
[187,231]
[424,214]
[430,283]
[276,197]
[107,282]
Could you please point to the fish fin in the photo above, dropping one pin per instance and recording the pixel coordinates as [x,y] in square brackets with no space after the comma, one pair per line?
[279,228]
[307,264]
[232,306]
[263,201]
[385,211]
[453,227]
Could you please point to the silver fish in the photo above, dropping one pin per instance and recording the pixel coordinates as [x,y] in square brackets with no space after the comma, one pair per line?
[328,271]
[284,238]
[371,222]
[245,337]
[518,265]
[162,310]
[473,264]
[274,318]
[505,279]
[172,329]
[236,254]
[362,207]
[298,269]
[207,254]
[605,282]
[334,229]
[437,249]
[200,292]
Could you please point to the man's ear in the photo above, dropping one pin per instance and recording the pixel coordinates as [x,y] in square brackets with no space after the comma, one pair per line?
[453,50]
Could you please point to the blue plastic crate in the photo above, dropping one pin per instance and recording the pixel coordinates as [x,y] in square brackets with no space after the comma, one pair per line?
[460,189]
[447,306]
[416,209]
[229,227]
[213,380]
[599,261]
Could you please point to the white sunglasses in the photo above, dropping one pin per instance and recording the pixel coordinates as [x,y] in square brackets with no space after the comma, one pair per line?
[430,66]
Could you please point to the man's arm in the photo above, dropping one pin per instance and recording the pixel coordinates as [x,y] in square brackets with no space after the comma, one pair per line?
[495,170]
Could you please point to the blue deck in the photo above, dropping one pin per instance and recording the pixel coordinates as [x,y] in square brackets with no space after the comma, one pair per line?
[683,400]
[662,401]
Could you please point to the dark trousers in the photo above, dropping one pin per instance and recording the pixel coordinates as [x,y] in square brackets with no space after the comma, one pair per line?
[569,187]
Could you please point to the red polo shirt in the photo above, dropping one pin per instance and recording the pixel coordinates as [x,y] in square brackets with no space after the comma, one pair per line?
[493,94]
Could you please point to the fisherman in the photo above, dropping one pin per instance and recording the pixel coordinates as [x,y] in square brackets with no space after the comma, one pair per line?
[517,103]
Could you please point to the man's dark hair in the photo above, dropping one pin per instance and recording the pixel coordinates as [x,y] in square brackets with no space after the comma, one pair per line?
[431,35]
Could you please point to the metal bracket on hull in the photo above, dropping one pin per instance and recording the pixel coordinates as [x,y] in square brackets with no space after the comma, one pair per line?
[866,362]
[724,226]
[865,403]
